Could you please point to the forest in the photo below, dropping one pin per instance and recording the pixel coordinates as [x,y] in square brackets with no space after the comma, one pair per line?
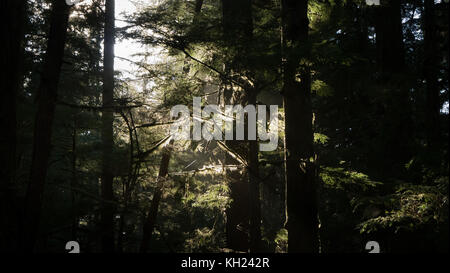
[342,139]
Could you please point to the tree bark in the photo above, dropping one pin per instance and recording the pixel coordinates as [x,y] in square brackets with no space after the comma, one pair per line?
[74,181]
[397,124]
[238,213]
[301,196]
[107,191]
[254,192]
[431,70]
[13,20]
[243,216]
[389,37]
[13,12]
[46,100]
[150,220]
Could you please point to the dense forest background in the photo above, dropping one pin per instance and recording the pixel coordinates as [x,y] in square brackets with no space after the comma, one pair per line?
[86,153]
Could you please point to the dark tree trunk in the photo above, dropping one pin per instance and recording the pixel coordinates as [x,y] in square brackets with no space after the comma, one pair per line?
[46,100]
[243,225]
[150,220]
[74,181]
[361,34]
[389,37]
[238,213]
[107,191]
[431,70]
[13,21]
[397,125]
[301,196]
[198,9]
[254,192]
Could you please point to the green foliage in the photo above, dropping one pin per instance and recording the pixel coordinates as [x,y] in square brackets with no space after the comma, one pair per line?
[281,241]
[321,88]
[410,208]
[349,181]
[320,138]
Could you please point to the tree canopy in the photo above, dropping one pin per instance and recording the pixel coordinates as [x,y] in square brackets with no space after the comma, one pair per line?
[88,154]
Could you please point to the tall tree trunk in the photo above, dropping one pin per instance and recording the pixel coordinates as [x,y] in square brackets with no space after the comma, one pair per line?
[396,118]
[431,70]
[301,196]
[389,37]
[238,213]
[254,192]
[13,15]
[243,215]
[107,191]
[13,20]
[74,180]
[46,99]
[150,220]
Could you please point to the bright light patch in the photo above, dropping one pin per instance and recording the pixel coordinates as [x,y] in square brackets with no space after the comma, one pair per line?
[373,2]
[125,48]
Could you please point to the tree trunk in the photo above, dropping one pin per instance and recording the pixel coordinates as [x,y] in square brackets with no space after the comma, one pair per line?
[74,181]
[238,213]
[243,215]
[254,193]
[150,220]
[46,99]
[431,70]
[389,37]
[396,132]
[13,21]
[13,12]
[301,196]
[107,191]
